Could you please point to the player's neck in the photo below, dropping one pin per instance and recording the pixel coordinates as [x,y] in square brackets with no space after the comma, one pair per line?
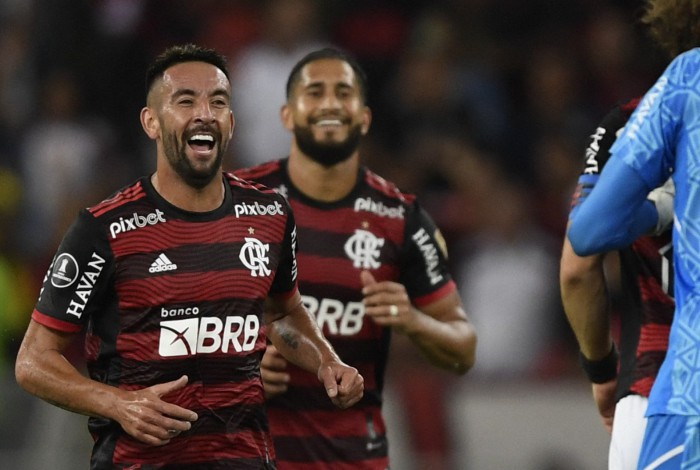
[180,194]
[322,183]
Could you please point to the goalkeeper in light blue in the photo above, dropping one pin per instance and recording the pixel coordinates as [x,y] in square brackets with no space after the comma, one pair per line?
[661,140]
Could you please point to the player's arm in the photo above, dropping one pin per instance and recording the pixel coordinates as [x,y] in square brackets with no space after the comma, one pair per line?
[584,289]
[643,157]
[585,300]
[583,284]
[298,338]
[295,334]
[42,369]
[586,304]
[423,303]
[582,280]
[440,329]
[615,214]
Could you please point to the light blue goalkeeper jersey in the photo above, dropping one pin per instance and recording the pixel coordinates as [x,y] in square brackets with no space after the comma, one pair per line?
[661,138]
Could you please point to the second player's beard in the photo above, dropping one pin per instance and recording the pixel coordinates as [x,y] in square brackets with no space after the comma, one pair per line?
[327,153]
[177,156]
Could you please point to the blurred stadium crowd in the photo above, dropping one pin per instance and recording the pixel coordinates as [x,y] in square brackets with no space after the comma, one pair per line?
[480,107]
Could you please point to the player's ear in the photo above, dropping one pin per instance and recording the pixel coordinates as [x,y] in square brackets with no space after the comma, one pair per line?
[233,124]
[366,120]
[286,117]
[150,123]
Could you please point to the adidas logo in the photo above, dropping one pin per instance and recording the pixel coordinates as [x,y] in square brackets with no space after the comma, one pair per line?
[162,263]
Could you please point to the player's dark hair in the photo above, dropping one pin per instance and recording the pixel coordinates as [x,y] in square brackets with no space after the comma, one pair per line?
[328,53]
[673,24]
[183,53]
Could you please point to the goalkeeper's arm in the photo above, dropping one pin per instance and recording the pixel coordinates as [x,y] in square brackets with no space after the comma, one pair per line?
[614,214]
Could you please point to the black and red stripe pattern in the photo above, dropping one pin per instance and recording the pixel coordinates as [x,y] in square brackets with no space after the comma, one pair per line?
[179,293]
[372,228]
[649,266]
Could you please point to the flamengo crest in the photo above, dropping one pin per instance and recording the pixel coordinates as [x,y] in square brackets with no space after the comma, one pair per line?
[253,255]
[363,248]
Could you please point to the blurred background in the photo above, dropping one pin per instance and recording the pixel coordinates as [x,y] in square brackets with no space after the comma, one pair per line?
[481,108]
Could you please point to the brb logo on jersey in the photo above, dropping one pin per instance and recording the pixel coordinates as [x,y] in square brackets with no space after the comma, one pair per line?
[253,255]
[363,249]
[134,222]
[334,316]
[205,335]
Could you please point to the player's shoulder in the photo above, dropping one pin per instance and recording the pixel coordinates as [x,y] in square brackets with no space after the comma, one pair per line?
[618,115]
[385,188]
[683,69]
[124,196]
[253,188]
[690,57]
[258,172]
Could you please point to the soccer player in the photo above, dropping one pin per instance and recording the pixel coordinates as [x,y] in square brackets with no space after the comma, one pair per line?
[646,308]
[169,277]
[661,139]
[371,262]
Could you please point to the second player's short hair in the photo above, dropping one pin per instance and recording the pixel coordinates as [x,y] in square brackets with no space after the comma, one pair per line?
[328,53]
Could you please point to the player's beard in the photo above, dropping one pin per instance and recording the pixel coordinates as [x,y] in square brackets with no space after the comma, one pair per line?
[175,151]
[327,153]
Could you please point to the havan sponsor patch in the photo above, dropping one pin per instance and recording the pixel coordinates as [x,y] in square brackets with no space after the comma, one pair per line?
[85,285]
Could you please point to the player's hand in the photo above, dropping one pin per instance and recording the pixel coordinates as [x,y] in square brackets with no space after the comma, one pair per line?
[344,384]
[387,303]
[604,396]
[663,197]
[273,371]
[147,418]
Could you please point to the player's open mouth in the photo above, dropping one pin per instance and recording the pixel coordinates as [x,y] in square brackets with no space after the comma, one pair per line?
[328,122]
[201,143]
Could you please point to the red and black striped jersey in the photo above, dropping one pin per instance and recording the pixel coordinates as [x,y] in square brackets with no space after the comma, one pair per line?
[163,292]
[646,305]
[376,228]
[647,274]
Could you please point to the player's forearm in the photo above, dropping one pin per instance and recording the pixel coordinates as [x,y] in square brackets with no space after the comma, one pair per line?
[449,345]
[585,301]
[300,341]
[52,378]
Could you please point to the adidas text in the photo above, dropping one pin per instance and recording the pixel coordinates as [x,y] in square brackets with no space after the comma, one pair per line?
[162,264]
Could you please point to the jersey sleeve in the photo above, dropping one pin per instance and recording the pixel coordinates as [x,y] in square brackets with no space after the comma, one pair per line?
[74,286]
[597,151]
[424,269]
[285,282]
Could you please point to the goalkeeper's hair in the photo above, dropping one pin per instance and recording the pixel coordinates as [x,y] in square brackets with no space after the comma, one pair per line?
[673,24]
